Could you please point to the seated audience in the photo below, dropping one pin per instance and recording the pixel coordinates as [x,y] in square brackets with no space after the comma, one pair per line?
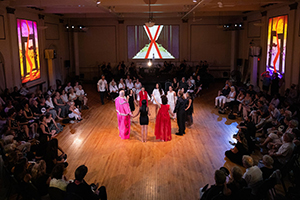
[58,180]
[40,178]
[235,184]
[113,89]
[267,168]
[253,175]
[217,189]
[82,97]
[74,112]
[221,95]
[84,190]
[60,105]
[284,153]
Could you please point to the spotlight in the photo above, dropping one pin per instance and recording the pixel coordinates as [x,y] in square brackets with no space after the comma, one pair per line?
[240,25]
[235,25]
[98,2]
[224,26]
[149,63]
[72,26]
[80,27]
[67,26]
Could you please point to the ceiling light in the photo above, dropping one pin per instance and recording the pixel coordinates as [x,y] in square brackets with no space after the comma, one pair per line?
[98,2]
[72,26]
[67,26]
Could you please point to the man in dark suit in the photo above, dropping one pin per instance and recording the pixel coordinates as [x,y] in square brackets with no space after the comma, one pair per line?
[180,111]
[84,190]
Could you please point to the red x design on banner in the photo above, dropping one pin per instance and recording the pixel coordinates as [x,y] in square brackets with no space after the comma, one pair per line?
[153,42]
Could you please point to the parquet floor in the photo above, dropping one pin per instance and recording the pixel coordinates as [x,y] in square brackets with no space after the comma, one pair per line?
[154,170]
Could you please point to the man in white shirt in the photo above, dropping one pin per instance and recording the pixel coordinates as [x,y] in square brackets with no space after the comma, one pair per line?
[253,175]
[113,89]
[127,80]
[102,87]
[129,85]
[285,152]
[82,96]
[68,87]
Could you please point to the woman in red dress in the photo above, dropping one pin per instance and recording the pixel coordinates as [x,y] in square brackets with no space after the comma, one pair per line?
[143,95]
[163,121]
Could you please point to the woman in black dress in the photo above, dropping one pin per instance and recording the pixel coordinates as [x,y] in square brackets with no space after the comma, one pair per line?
[131,100]
[144,119]
[189,109]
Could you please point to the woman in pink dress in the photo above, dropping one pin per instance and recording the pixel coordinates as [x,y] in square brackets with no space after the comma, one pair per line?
[163,121]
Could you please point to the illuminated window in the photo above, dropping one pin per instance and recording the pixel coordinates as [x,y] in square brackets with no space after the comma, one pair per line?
[28,50]
[276,50]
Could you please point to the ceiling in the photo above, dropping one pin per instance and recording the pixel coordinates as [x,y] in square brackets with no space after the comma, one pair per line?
[140,8]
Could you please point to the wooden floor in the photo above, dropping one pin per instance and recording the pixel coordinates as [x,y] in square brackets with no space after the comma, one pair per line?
[154,170]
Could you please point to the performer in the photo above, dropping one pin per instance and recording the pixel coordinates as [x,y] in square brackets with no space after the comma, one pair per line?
[144,120]
[171,95]
[102,87]
[143,95]
[180,111]
[123,113]
[157,93]
[131,100]
[190,109]
[163,121]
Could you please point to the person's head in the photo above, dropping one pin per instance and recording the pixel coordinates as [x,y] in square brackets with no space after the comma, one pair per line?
[144,102]
[43,100]
[71,91]
[9,103]
[80,87]
[226,86]
[236,173]
[250,87]
[183,79]
[188,95]
[19,111]
[122,93]
[247,161]
[42,118]
[220,177]
[121,81]
[267,160]
[128,77]
[69,84]
[198,77]
[130,80]
[260,104]
[48,115]
[131,92]
[26,105]
[164,99]
[102,77]
[175,79]
[143,89]
[157,86]
[293,123]
[58,171]
[232,88]
[63,92]
[57,94]
[137,80]
[288,137]
[191,77]
[15,89]
[288,113]
[170,88]
[39,169]
[80,172]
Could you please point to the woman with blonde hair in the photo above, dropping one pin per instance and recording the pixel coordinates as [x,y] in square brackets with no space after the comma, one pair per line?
[40,179]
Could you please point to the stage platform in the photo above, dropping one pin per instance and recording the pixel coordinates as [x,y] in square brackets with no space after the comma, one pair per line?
[155,170]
